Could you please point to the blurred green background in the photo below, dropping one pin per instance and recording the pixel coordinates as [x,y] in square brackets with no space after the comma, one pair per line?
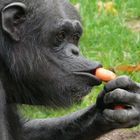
[110,36]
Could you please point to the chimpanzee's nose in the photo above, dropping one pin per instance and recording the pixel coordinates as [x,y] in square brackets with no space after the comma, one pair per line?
[72,50]
[75,51]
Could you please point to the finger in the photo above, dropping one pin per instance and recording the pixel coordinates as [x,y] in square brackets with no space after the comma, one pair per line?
[123,82]
[121,96]
[121,116]
[100,103]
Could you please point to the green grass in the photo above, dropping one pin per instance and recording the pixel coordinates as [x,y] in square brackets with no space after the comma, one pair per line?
[106,39]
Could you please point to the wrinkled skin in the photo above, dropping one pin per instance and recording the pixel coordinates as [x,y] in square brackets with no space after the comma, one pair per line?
[40,64]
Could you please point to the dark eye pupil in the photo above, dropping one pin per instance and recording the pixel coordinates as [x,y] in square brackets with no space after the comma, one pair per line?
[76,37]
[61,36]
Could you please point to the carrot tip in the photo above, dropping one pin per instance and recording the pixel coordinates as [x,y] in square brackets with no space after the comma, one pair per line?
[105,75]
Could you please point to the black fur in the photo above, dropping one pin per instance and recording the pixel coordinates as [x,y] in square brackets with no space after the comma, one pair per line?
[41,65]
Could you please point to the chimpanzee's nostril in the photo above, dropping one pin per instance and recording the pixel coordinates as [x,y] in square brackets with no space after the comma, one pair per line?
[75,52]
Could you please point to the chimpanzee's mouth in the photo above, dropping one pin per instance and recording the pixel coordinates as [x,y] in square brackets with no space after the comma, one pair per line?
[91,74]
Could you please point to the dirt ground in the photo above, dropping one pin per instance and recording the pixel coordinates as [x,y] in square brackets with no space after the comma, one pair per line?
[121,134]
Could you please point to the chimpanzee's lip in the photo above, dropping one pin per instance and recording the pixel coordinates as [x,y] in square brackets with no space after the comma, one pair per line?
[91,74]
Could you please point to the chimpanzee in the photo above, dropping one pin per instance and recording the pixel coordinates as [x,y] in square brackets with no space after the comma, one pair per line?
[40,64]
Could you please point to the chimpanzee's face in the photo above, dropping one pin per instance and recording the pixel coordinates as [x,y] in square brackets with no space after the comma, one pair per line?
[43,52]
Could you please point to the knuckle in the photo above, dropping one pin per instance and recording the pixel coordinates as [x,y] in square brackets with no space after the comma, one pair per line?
[113,96]
[117,91]
[125,81]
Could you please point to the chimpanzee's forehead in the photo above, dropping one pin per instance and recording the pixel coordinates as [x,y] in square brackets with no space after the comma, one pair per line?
[61,9]
[59,14]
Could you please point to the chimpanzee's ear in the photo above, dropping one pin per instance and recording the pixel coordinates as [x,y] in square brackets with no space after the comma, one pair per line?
[13,15]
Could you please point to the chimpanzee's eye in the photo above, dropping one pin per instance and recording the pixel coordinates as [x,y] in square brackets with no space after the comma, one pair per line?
[61,36]
[76,37]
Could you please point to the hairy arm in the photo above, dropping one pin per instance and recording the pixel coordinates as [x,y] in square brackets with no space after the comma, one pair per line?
[79,125]
[96,120]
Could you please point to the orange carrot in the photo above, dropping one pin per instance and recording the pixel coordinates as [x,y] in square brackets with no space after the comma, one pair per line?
[106,76]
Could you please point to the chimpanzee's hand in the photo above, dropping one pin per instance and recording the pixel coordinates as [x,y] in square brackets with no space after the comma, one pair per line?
[121,91]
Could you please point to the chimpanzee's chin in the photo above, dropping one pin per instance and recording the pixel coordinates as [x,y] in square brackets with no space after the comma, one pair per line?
[72,98]
[79,96]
